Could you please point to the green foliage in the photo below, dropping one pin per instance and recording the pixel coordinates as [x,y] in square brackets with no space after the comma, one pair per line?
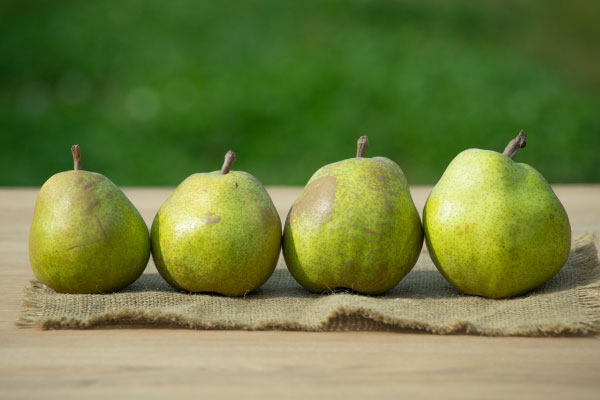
[156,90]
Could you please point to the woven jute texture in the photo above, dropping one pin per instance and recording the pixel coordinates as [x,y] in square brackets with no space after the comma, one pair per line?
[569,304]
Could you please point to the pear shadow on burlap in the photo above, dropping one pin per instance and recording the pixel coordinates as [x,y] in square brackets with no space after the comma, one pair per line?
[423,282]
[280,284]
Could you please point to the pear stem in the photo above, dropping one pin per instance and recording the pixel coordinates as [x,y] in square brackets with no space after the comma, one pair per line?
[76,157]
[361,146]
[229,160]
[515,144]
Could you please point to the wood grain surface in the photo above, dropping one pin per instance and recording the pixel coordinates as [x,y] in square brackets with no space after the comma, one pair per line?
[143,363]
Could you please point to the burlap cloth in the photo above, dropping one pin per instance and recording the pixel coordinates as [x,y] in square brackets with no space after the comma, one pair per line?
[569,304]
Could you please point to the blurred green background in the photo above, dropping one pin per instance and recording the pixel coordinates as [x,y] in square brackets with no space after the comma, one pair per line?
[156,90]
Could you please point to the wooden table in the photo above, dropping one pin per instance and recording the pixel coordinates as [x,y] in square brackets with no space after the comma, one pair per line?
[175,363]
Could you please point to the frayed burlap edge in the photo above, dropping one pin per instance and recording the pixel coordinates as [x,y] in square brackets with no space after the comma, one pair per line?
[584,257]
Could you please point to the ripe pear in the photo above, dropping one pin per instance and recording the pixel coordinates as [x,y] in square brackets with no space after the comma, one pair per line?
[494,227]
[218,232]
[86,236]
[354,226]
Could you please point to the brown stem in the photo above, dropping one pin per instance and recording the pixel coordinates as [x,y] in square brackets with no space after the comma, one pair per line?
[229,160]
[361,146]
[76,157]
[515,144]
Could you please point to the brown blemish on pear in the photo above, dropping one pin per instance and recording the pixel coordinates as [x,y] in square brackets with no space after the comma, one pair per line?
[316,200]
[209,219]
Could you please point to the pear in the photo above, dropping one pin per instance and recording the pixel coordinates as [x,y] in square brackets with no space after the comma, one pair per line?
[86,236]
[354,227]
[494,227]
[218,232]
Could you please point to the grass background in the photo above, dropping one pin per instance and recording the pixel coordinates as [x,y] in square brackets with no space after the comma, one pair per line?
[156,90]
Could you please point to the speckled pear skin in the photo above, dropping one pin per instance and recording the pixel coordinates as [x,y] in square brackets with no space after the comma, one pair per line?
[494,227]
[354,226]
[86,236]
[217,233]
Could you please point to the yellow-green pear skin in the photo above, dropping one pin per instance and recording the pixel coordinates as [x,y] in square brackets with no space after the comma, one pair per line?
[217,233]
[494,227]
[86,236]
[354,227]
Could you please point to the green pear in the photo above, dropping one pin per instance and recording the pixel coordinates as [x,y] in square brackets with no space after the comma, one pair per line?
[354,227]
[218,232]
[86,236]
[494,227]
